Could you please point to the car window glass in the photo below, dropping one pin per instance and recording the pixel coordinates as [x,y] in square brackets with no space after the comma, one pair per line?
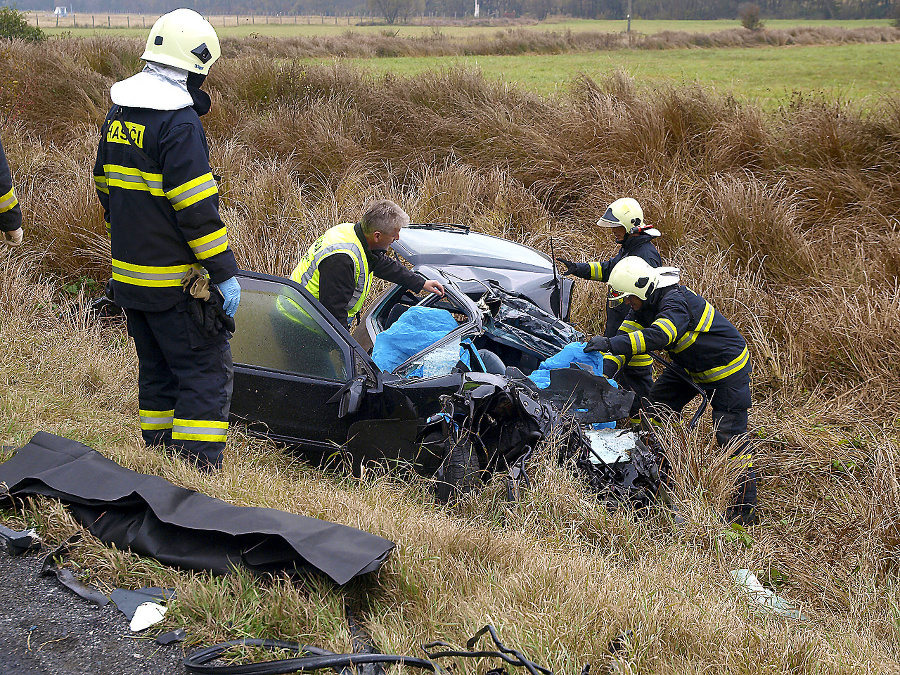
[276,330]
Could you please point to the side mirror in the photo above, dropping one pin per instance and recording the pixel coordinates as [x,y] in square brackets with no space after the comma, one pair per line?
[352,397]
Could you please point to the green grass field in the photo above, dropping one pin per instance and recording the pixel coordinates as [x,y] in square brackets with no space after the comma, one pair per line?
[228,26]
[767,76]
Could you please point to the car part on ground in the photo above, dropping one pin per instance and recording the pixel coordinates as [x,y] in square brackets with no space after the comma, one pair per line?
[621,467]
[17,543]
[67,577]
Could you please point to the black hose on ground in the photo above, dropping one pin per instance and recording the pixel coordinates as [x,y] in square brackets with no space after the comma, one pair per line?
[311,659]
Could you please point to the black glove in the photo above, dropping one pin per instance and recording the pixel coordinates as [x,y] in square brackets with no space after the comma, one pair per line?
[571,267]
[598,343]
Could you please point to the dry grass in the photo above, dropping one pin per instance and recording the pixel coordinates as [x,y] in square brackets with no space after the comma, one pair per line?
[786,222]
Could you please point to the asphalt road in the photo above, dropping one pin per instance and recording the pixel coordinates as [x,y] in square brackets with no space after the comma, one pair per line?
[46,629]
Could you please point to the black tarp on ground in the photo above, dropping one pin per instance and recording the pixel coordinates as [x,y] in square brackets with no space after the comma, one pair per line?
[181,527]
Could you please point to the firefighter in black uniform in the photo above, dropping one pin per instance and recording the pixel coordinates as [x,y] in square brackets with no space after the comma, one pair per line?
[625,218]
[705,349]
[10,213]
[161,206]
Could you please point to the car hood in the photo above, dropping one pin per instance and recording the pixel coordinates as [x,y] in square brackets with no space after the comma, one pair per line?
[470,257]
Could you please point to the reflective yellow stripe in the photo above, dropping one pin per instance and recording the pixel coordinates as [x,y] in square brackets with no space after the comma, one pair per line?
[8,201]
[156,419]
[143,275]
[703,325]
[596,271]
[101,184]
[667,327]
[130,178]
[640,360]
[618,360]
[629,326]
[746,459]
[199,430]
[210,245]
[721,372]
[638,343]
[192,192]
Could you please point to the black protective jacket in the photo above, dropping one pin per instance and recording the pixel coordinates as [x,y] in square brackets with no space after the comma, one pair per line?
[337,277]
[639,245]
[696,336]
[161,205]
[10,212]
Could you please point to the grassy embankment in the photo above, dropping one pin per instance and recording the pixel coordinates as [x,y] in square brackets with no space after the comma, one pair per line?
[786,222]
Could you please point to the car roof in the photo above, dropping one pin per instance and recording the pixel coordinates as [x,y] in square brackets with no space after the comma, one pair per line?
[441,245]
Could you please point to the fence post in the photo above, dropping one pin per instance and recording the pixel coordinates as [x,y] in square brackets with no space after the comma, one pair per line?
[128,21]
[36,24]
[143,22]
[57,20]
[108,21]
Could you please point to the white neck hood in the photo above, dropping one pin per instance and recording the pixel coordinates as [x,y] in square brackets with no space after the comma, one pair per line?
[156,87]
[668,276]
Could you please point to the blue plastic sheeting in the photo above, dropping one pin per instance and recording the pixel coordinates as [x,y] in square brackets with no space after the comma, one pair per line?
[571,353]
[417,328]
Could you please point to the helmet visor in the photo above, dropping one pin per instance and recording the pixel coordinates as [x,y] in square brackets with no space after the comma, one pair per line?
[609,220]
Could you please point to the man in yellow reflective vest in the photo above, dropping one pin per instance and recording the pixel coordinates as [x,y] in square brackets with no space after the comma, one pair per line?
[161,205]
[338,268]
[705,349]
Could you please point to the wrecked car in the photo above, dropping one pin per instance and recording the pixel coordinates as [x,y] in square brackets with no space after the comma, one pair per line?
[303,380]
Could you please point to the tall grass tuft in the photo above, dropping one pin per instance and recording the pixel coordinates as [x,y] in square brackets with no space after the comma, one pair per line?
[787,222]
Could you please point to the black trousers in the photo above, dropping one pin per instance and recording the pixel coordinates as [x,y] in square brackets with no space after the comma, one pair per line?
[730,400]
[185,380]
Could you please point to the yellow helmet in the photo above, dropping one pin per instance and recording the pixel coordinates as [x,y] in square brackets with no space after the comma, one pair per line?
[634,276]
[183,39]
[627,213]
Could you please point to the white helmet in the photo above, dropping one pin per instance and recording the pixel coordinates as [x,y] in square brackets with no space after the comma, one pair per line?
[634,276]
[627,213]
[183,39]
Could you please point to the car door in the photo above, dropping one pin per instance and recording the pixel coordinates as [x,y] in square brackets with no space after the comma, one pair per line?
[292,362]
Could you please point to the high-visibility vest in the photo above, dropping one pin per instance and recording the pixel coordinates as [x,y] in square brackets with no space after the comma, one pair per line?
[338,239]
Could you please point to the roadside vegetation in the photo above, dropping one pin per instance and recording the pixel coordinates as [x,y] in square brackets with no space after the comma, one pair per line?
[785,220]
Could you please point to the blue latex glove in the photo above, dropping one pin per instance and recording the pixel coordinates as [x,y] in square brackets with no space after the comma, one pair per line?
[231,291]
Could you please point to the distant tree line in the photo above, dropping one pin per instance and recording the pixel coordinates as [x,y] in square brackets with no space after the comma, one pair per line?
[394,10]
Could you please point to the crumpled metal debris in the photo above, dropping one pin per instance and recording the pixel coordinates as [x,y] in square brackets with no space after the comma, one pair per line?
[514,319]
[19,542]
[621,467]
[67,577]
